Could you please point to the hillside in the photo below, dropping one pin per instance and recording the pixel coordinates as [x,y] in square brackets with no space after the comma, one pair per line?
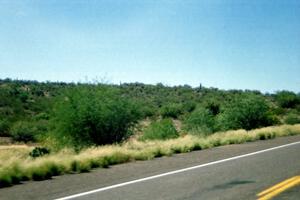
[29,110]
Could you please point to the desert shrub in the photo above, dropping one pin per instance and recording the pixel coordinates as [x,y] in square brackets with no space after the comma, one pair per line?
[200,121]
[93,115]
[171,110]
[247,111]
[24,131]
[160,130]
[287,99]
[292,118]
[39,151]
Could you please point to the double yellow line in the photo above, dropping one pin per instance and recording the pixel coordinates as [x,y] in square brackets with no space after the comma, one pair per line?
[278,188]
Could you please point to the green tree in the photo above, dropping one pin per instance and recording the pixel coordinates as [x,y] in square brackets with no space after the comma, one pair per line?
[93,115]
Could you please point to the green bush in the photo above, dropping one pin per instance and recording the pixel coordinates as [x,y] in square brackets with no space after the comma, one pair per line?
[160,130]
[200,121]
[93,115]
[171,111]
[24,131]
[292,118]
[246,111]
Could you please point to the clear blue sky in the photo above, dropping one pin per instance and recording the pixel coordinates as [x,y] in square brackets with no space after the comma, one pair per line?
[226,44]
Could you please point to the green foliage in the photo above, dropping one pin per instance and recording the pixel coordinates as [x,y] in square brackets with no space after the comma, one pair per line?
[4,127]
[200,121]
[213,107]
[292,118]
[171,111]
[189,106]
[24,131]
[42,116]
[93,115]
[160,130]
[147,110]
[279,110]
[246,111]
[287,99]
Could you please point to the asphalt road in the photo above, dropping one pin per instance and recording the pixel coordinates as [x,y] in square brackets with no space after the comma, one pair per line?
[240,178]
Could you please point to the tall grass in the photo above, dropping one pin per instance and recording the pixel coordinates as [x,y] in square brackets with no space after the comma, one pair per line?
[17,166]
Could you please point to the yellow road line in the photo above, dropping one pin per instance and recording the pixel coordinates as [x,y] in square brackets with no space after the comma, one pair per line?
[279,188]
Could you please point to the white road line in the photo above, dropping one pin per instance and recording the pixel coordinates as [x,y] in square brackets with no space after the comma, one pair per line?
[174,172]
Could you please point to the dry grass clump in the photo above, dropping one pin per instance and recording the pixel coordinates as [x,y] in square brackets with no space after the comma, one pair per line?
[11,153]
[16,165]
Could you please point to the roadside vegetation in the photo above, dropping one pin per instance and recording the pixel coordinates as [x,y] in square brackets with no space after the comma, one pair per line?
[19,166]
[48,129]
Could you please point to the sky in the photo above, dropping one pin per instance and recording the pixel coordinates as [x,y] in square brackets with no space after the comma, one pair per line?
[232,44]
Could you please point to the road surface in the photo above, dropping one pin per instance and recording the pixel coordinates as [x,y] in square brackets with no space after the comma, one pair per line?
[230,172]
